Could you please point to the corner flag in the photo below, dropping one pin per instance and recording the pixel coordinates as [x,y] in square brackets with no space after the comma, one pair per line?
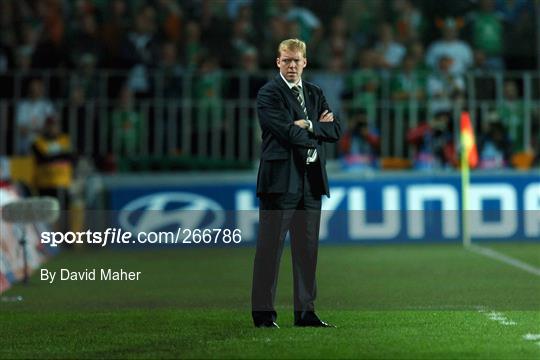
[468,142]
[469,157]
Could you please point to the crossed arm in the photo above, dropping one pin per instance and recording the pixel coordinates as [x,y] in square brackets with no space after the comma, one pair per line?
[326,129]
[274,117]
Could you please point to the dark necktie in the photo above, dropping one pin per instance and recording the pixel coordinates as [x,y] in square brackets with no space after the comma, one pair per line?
[311,153]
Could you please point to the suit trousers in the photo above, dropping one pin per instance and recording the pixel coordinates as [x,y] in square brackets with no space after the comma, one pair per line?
[298,214]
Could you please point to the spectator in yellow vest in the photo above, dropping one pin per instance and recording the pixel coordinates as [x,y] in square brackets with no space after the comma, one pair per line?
[54,162]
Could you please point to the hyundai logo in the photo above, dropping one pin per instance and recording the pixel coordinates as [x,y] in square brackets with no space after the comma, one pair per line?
[160,211]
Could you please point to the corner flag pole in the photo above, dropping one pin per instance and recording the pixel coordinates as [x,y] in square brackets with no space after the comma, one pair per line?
[465,181]
[469,157]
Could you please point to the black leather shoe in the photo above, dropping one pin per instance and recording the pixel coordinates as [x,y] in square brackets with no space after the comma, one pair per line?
[309,319]
[317,323]
[267,324]
[264,319]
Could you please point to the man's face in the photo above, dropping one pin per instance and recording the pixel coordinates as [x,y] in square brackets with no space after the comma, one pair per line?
[36,89]
[51,128]
[444,64]
[450,33]
[291,64]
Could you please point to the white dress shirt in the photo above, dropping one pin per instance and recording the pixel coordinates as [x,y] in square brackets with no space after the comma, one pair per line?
[313,157]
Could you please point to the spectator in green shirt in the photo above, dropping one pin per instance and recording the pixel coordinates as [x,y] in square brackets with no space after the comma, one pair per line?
[126,125]
[408,83]
[511,112]
[362,85]
[487,32]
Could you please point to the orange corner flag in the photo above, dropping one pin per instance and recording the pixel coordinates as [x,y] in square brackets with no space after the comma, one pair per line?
[467,140]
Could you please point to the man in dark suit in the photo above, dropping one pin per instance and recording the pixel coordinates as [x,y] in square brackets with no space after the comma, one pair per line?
[295,122]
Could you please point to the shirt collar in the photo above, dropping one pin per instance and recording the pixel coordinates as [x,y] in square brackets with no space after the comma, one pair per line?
[289,84]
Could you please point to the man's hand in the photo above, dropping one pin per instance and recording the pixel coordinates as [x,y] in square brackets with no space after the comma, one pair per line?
[302,123]
[326,116]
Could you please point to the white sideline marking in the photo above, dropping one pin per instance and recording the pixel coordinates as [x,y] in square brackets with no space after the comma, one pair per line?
[531,337]
[499,317]
[503,320]
[504,258]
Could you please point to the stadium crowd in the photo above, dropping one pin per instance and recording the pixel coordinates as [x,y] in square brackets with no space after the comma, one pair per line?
[422,49]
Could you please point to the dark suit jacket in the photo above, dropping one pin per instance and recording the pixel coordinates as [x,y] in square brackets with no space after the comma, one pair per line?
[284,145]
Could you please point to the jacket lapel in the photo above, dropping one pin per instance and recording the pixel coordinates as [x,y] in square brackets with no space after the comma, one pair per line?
[307,100]
[292,98]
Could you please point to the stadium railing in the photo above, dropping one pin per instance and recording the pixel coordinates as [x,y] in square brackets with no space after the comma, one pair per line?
[225,126]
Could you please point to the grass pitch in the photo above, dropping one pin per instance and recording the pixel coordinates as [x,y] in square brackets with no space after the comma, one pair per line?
[410,301]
